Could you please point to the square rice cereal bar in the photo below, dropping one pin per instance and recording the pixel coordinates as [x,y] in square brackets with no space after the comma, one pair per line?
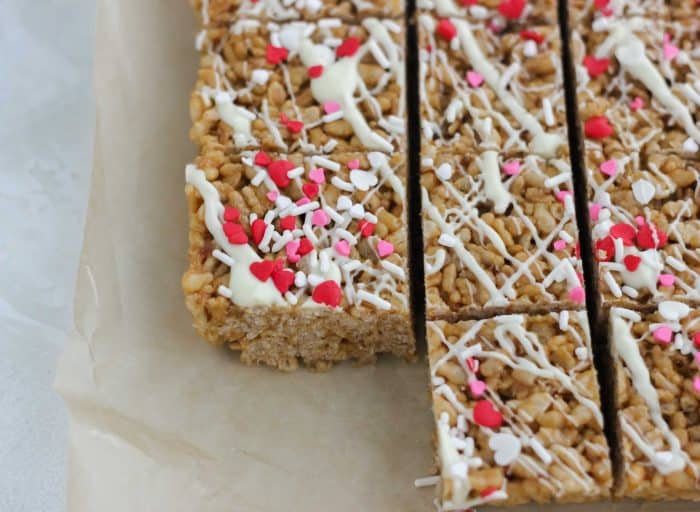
[517,409]
[482,89]
[657,361]
[499,235]
[298,258]
[311,87]
[499,14]
[645,221]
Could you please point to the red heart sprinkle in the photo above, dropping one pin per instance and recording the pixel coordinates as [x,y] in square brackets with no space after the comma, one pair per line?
[278,172]
[623,231]
[601,4]
[315,71]
[310,190]
[632,262]
[595,66]
[511,9]
[305,246]
[235,233]
[231,214]
[262,269]
[488,492]
[295,126]
[258,230]
[605,249]
[446,30]
[696,339]
[532,36]
[486,415]
[262,159]
[348,48]
[328,293]
[288,223]
[651,237]
[276,54]
[597,127]
[366,228]
[283,279]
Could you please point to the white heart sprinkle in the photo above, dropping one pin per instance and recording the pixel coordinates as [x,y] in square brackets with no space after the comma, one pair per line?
[344,203]
[444,172]
[530,48]
[363,180]
[357,211]
[673,311]
[690,146]
[260,76]
[643,191]
[506,448]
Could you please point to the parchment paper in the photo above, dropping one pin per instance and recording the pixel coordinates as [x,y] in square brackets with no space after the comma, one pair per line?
[160,420]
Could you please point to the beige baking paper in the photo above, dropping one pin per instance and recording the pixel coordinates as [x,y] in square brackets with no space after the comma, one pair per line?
[160,421]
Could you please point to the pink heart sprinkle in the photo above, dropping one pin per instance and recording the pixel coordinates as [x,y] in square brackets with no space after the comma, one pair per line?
[577,294]
[272,195]
[511,168]
[559,245]
[609,167]
[696,384]
[477,387]
[475,79]
[636,104]
[292,249]
[384,248]
[562,195]
[663,334]
[667,279]
[320,218]
[640,220]
[317,175]
[343,248]
[594,210]
[331,107]
[302,201]
[670,51]
[354,164]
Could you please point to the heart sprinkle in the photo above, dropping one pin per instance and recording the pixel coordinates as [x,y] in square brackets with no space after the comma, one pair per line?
[486,415]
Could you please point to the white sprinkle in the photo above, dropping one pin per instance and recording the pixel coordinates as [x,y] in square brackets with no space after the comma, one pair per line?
[337,218]
[612,284]
[282,202]
[676,264]
[199,40]
[283,240]
[315,279]
[564,235]
[341,184]
[345,235]
[375,300]
[427,162]
[269,216]
[426,481]
[479,12]
[392,26]
[252,218]
[690,146]
[447,240]
[352,265]
[393,269]
[309,232]
[370,217]
[330,145]
[378,54]
[260,76]
[223,257]
[274,36]
[619,249]
[320,161]
[344,203]
[329,23]
[630,292]
[295,173]
[627,313]
[673,311]
[334,116]
[324,262]
[643,191]
[557,180]
[376,159]
[258,178]
[267,236]
[600,24]
[563,320]
[548,112]
[530,48]
[357,211]
[461,420]
[581,353]
[300,279]
[444,171]
[291,298]
[224,291]
[308,207]
[333,42]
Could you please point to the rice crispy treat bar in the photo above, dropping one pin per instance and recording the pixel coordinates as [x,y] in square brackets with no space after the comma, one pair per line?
[499,14]
[517,409]
[657,362]
[299,258]
[226,11]
[482,89]
[500,235]
[645,218]
[638,84]
[587,11]
[311,87]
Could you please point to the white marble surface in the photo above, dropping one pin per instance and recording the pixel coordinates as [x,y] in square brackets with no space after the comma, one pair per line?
[46,126]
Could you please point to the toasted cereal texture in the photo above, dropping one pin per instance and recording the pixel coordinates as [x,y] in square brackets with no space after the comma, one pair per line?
[464,106]
[312,234]
[648,112]
[309,87]
[658,401]
[517,408]
[227,11]
[650,203]
[496,242]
